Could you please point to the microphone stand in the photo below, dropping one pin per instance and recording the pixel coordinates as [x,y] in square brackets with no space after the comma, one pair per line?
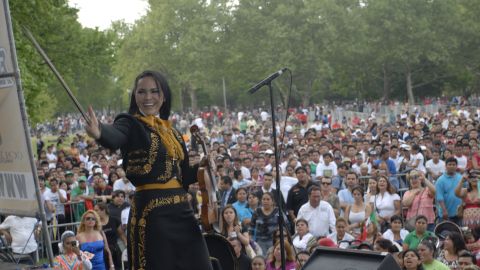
[277,176]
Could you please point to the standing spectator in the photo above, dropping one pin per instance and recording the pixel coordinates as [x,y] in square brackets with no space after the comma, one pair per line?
[411,260]
[462,160]
[467,260]
[117,205]
[372,189]
[112,228]
[328,168]
[396,233]
[452,245]
[471,201]
[426,249]
[302,236]
[227,192]
[241,205]
[357,213]
[319,214]
[243,260]
[413,239]
[93,240]
[328,195]
[264,222]
[340,234]
[275,262]
[21,232]
[258,263]
[445,192]
[417,160]
[83,196]
[345,196]
[230,226]
[435,166]
[298,194]
[419,199]
[386,203]
[123,183]
[72,258]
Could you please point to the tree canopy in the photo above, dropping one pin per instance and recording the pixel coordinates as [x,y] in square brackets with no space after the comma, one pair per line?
[337,49]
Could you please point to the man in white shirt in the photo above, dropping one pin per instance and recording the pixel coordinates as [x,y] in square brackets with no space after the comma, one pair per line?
[55,198]
[319,214]
[123,183]
[51,157]
[21,230]
[460,157]
[328,168]
[435,166]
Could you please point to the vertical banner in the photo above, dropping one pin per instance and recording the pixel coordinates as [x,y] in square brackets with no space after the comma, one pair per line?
[17,185]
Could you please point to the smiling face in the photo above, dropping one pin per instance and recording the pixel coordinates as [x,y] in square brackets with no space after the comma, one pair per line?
[148,96]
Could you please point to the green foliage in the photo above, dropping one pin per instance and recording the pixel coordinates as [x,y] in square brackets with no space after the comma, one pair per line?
[84,57]
[337,49]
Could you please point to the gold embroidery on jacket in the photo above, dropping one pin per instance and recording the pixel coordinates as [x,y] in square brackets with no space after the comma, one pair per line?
[152,156]
[131,231]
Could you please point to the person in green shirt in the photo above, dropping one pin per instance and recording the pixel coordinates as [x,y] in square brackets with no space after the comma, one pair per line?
[413,239]
[426,249]
[81,196]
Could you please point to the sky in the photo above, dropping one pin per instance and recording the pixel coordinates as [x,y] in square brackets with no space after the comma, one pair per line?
[100,13]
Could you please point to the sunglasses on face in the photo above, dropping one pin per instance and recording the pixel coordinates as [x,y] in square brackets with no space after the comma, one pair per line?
[90,219]
[326,183]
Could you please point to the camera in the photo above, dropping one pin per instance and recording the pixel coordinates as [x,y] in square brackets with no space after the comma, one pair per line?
[74,243]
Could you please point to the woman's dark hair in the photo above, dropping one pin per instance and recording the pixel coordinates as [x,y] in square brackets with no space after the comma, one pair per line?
[457,240]
[421,217]
[162,84]
[110,181]
[429,244]
[301,220]
[241,188]
[359,189]
[395,218]
[384,244]
[103,206]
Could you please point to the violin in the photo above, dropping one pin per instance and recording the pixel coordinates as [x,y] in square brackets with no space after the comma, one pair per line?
[208,187]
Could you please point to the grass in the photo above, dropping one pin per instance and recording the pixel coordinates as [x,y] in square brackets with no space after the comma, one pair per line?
[52,139]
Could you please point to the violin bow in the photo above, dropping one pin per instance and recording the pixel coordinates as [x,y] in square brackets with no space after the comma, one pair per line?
[57,74]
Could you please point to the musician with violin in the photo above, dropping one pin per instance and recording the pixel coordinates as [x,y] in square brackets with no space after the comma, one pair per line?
[162,230]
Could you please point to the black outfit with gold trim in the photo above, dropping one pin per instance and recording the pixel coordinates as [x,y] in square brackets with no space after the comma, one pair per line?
[162,230]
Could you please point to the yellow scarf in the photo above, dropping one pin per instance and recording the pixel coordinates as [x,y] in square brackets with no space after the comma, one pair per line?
[164,129]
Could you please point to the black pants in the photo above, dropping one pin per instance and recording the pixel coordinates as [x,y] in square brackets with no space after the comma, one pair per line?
[164,234]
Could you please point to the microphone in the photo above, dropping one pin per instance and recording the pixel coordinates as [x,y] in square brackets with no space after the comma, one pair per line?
[266,81]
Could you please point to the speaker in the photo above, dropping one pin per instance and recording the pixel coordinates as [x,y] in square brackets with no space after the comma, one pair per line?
[325,258]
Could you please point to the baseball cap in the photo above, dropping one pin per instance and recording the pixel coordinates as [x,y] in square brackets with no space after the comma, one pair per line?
[326,242]
[82,179]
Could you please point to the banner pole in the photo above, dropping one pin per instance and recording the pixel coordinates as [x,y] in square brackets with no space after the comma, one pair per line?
[26,128]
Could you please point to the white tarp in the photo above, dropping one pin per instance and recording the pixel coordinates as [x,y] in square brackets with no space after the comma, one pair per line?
[17,186]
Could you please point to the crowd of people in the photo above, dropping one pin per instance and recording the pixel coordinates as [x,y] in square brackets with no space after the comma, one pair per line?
[349,183]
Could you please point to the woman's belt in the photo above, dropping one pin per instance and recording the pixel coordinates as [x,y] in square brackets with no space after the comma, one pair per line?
[172,183]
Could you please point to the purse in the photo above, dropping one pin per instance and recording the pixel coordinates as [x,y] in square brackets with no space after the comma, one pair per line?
[410,223]
[460,211]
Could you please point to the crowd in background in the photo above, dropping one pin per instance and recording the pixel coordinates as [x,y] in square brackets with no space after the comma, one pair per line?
[349,182]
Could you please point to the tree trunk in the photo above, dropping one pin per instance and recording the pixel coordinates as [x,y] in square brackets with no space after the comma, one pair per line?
[411,99]
[181,100]
[386,84]
[193,98]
